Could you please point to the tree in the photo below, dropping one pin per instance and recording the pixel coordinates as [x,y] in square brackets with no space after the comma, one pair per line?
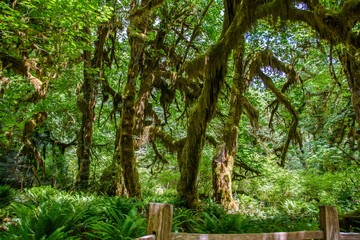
[87,102]
[125,151]
[213,63]
[224,160]
[179,74]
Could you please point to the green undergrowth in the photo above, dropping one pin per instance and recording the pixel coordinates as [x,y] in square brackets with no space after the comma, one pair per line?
[48,213]
[211,218]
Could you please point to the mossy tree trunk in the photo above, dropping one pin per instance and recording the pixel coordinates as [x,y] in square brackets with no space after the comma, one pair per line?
[141,66]
[86,103]
[125,153]
[191,153]
[351,65]
[223,161]
[214,70]
[140,17]
[148,75]
[112,180]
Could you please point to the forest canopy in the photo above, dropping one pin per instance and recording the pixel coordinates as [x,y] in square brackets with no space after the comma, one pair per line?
[226,100]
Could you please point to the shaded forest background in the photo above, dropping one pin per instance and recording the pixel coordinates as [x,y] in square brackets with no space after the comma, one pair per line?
[250,104]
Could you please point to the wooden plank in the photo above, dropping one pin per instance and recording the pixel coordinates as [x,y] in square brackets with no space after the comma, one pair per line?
[147,237]
[329,222]
[350,236]
[252,236]
[160,220]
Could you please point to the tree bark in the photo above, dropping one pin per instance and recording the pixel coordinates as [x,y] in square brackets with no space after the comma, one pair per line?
[351,66]
[141,66]
[213,66]
[86,105]
[191,153]
[223,161]
[125,148]
[112,181]
[125,151]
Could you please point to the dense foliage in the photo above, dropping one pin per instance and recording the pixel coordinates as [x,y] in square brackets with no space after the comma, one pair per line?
[45,213]
[253,106]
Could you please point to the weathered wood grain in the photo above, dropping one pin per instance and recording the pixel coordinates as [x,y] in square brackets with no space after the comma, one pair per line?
[350,236]
[329,222]
[252,236]
[160,220]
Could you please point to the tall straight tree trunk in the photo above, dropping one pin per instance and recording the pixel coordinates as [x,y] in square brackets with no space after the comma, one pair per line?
[86,104]
[203,111]
[223,161]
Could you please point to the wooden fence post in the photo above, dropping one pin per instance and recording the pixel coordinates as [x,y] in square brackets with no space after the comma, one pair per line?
[160,220]
[329,222]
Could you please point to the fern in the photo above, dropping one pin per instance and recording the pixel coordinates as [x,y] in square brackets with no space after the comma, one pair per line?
[184,220]
[7,194]
[59,234]
[118,225]
[224,223]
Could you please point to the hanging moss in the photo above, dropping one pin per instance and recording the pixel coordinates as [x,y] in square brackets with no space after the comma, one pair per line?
[140,19]
[29,147]
[212,67]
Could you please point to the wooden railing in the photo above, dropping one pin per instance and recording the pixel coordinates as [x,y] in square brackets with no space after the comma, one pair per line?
[160,221]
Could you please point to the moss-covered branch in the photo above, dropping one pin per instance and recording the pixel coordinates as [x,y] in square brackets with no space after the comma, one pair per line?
[334,26]
[30,149]
[267,59]
[284,100]
[251,112]
[25,67]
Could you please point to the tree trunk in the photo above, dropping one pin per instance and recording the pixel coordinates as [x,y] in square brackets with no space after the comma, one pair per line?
[86,104]
[201,114]
[223,161]
[146,86]
[125,151]
[126,147]
[118,185]
[215,67]
[140,21]
[351,66]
